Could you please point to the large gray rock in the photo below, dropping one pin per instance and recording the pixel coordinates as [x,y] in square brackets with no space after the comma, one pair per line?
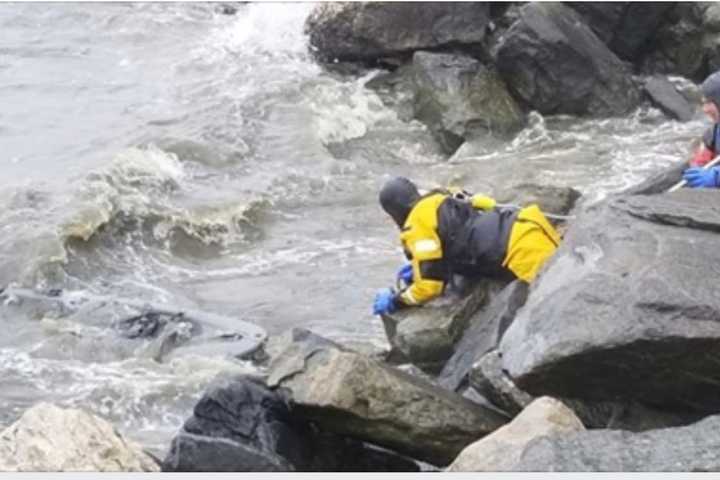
[48,438]
[626,309]
[627,28]
[663,94]
[484,332]
[490,381]
[460,98]
[426,336]
[349,394]
[366,31]
[242,426]
[500,451]
[693,448]
[556,64]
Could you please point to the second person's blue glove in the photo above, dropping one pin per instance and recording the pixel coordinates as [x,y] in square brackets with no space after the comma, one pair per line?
[701,178]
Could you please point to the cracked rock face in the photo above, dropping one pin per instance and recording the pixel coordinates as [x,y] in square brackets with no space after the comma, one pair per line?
[682,449]
[350,394]
[48,438]
[628,308]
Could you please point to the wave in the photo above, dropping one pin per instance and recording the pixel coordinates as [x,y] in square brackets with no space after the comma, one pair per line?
[142,190]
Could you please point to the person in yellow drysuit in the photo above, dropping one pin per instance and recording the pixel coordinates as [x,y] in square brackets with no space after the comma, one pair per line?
[443,234]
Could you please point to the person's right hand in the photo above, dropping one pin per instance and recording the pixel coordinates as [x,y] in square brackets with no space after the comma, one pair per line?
[701,178]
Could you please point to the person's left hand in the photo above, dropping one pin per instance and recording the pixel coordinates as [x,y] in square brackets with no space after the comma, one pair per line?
[406,273]
[384,302]
[701,178]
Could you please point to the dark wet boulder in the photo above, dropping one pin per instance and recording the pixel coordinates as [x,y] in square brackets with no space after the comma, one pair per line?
[459,98]
[678,47]
[627,28]
[367,31]
[243,426]
[693,448]
[627,310]
[484,331]
[556,64]
[352,395]
[662,93]
[426,336]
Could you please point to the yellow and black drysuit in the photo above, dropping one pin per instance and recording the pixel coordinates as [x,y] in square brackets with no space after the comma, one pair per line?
[443,235]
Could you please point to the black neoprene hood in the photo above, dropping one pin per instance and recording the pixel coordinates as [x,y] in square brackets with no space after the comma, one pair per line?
[397,198]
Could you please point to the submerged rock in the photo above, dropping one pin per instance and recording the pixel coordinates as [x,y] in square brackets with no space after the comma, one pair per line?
[693,448]
[367,31]
[556,64]
[48,438]
[501,450]
[626,310]
[349,394]
[460,98]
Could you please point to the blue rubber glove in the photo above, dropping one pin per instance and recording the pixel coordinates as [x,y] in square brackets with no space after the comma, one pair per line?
[384,302]
[701,178]
[405,274]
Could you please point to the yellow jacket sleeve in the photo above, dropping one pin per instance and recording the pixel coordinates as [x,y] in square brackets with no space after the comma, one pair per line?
[422,289]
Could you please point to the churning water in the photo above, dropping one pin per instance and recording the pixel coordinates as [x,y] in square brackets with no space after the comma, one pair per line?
[170,153]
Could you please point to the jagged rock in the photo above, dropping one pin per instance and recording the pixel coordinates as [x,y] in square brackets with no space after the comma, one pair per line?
[681,449]
[484,332]
[627,28]
[48,438]
[489,380]
[625,310]
[556,64]
[349,394]
[426,336]
[459,98]
[367,31]
[501,450]
[664,95]
[243,426]
[295,338]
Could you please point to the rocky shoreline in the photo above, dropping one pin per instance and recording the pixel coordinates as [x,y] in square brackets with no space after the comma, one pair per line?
[612,349]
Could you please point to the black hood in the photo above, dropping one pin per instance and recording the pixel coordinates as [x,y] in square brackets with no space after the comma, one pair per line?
[397,198]
[711,88]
